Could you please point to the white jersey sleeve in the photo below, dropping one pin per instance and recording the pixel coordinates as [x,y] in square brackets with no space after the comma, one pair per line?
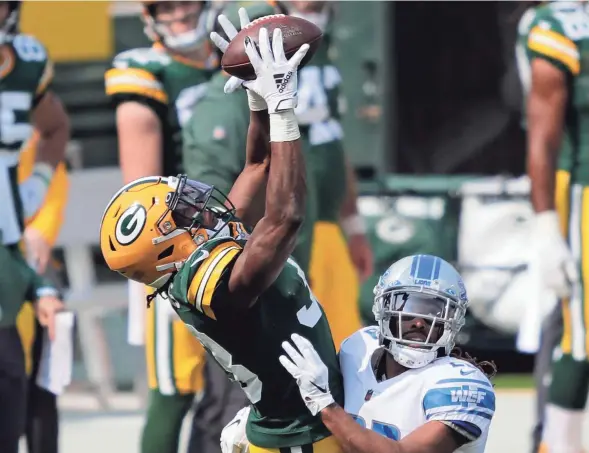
[459,395]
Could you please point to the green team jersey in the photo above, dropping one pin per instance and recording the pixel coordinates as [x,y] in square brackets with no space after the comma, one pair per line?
[214,151]
[318,115]
[26,73]
[247,344]
[168,84]
[558,32]
[19,283]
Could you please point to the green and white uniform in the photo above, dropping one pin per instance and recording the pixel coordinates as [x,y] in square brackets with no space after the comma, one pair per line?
[558,32]
[169,85]
[247,344]
[25,75]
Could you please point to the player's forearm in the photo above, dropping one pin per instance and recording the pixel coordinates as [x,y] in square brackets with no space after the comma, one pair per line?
[352,437]
[349,206]
[247,193]
[286,190]
[52,122]
[541,170]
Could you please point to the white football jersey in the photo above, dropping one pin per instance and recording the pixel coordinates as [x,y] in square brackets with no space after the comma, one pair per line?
[448,390]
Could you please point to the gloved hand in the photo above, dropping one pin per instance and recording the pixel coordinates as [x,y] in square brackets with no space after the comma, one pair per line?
[233,438]
[557,267]
[255,102]
[276,77]
[309,371]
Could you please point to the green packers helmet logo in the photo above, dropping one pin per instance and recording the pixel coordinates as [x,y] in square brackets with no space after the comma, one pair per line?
[130,224]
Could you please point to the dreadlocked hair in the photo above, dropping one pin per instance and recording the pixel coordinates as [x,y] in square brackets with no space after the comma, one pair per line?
[489,369]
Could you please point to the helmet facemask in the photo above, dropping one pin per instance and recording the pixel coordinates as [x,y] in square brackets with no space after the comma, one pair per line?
[414,348]
[198,208]
[161,30]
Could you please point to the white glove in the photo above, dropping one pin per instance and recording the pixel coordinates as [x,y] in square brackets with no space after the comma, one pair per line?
[34,188]
[310,372]
[233,438]
[256,102]
[276,77]
[557,267]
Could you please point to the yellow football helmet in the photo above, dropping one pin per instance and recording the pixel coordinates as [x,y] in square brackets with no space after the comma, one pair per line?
[153,224]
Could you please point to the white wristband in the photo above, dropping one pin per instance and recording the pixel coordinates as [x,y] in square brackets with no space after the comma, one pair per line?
[354,225]
[284,127]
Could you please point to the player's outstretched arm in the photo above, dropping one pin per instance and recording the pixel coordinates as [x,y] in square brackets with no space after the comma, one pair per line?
[247,194]
[51,121]
[546,111]
[273,238]
[312,377]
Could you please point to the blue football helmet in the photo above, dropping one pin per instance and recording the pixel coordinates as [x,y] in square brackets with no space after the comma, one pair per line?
[425,287]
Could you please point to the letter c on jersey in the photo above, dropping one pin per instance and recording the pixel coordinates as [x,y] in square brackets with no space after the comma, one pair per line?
[130,224]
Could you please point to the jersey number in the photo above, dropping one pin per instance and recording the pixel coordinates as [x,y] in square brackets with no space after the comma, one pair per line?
[250,383]
[575,24]
[11,131]
[307,316]
[384,429]
[313,105]
[28,48]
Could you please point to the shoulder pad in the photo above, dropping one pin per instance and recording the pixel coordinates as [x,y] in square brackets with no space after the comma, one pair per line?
[361,343]
[147,58]
[137,72]
[29,49]
[204,270]
[452,369]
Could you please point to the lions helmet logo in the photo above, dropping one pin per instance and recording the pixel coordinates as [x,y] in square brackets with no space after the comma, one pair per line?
[130,224]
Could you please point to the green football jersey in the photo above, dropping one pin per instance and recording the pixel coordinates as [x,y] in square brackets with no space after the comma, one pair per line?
[19,283]
[170,85]
[247,344]
[26,73]
[558,32]
[318,114]
[214,142]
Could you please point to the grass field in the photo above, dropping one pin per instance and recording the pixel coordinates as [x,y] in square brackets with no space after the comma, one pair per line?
[87,429]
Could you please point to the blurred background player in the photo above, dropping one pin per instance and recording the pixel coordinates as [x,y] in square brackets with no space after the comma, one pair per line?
[27,103]
[339,233]
[553,38]
[154,90]
[40,235]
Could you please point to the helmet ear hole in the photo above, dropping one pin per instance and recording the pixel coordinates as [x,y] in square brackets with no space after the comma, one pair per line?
[111,245]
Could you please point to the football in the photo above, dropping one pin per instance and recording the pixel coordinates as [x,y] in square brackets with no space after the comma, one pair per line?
[295,33]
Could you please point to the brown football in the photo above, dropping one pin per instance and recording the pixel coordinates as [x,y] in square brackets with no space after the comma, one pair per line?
[295,33]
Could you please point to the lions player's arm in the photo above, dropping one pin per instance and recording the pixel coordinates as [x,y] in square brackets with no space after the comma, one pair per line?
[274,237]
[141,103]
[433,437]
[554,59]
